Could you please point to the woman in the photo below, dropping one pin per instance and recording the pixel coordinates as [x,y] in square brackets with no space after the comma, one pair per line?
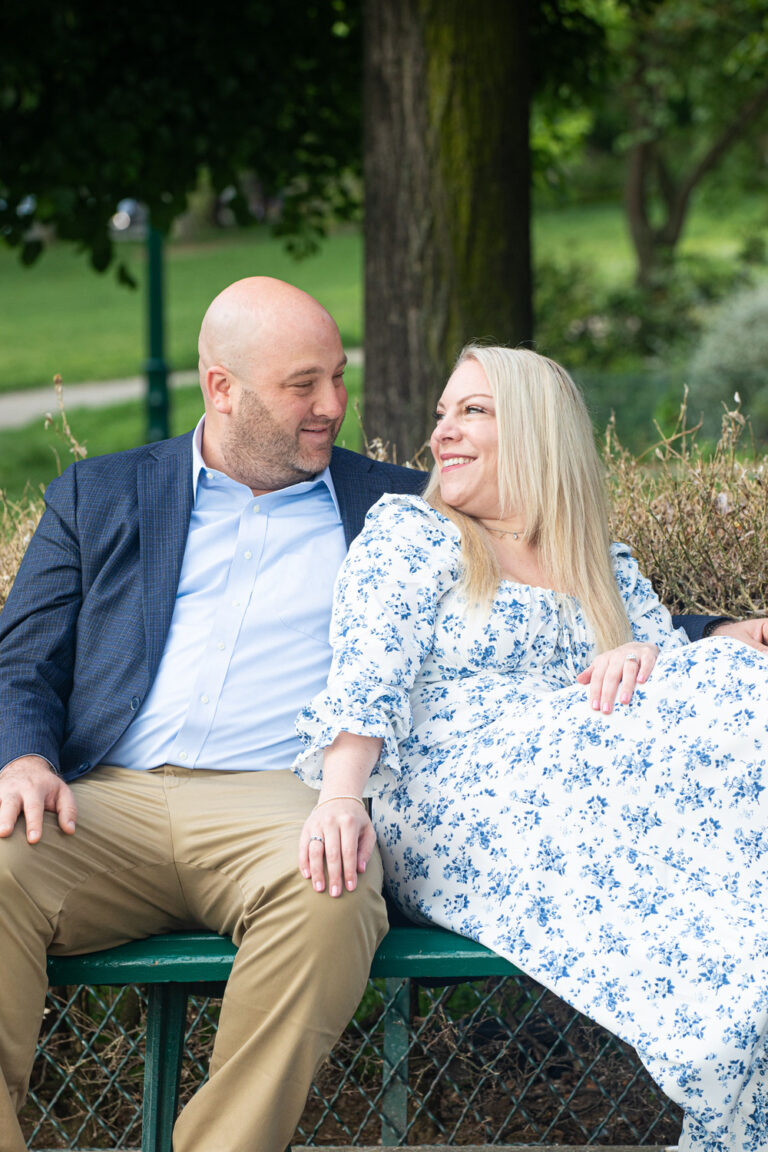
[558,774]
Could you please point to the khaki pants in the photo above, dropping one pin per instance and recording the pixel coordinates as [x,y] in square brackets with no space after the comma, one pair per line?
[167,850]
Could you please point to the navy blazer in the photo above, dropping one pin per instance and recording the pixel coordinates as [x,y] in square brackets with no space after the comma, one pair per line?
[84,627]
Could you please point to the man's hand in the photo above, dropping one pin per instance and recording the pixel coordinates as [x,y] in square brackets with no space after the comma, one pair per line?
[30,786]
[339,834]
[752,632]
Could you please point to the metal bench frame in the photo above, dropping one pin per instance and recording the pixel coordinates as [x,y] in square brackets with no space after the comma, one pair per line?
[198,963]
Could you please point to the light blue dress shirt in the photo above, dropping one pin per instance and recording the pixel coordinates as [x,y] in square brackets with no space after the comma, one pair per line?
[248,642]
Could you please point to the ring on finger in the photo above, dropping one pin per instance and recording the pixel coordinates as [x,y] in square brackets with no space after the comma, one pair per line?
[320,838]
[633,657]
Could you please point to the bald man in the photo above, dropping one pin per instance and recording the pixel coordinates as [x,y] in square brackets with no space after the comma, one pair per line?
[168,621]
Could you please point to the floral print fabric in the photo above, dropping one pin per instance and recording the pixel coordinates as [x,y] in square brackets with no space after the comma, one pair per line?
[619,860]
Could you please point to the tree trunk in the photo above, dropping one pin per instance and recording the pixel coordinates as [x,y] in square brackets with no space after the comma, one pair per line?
[447,199]
[636,202]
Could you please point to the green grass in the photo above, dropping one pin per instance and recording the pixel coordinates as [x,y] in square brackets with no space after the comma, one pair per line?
[31,457]
[593,234]
[61,316]
[597,235]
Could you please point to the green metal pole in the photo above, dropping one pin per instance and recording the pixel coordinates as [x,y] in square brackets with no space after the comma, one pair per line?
[394,1094]
[158,404]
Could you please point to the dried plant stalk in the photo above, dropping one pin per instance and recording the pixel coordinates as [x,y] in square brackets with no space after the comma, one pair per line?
[19,518]
[697,520]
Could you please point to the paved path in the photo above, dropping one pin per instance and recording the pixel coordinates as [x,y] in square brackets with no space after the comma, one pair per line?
[20,408]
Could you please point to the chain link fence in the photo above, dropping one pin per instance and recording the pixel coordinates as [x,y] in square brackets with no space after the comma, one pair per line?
[497,1061]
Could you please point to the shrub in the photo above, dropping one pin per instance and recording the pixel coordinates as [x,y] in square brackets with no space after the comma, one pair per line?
[732,358]
[697,522]
[18,520]
[582,323]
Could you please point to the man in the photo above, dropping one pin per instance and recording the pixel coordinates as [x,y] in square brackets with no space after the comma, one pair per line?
[171,615]
[168,621]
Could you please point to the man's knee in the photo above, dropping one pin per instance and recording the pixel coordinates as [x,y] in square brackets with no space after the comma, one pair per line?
[22,879]
[325,931]
[358,917]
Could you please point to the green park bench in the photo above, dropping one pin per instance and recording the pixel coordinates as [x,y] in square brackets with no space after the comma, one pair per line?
[198,963]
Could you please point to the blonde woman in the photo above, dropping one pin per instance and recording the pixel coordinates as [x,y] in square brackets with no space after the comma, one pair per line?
[557,772]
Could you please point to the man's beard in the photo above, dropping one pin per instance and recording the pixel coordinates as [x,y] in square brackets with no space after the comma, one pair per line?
[261,455]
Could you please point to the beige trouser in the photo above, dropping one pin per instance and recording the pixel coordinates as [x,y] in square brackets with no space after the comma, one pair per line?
[170,849]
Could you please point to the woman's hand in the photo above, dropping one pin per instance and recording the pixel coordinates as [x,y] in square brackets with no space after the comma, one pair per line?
[617,672]
[338,833]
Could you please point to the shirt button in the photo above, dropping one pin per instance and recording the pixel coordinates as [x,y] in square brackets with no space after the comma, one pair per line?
[235,603]
[209,475]
[221,645]
[248,555]
[204,699]
[182,755]
[254,507]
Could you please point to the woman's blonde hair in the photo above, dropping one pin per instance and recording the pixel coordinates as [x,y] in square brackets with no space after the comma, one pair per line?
[548,470]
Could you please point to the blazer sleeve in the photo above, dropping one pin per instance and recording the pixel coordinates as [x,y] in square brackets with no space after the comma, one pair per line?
[38,628]
[695,625]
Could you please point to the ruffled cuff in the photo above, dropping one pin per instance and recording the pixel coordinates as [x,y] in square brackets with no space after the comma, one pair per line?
[326,716]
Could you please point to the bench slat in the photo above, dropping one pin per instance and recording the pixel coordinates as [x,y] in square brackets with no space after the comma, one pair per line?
[188,957]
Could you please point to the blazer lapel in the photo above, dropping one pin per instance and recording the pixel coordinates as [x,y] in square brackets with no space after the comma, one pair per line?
[165,505]
[357,487]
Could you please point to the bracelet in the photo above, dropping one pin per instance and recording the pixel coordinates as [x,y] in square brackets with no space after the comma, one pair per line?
[330,798]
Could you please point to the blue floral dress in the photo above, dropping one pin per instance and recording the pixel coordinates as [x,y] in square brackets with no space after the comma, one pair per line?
[620,860]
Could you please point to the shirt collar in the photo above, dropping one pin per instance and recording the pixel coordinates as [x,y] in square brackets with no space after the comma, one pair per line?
[198,464]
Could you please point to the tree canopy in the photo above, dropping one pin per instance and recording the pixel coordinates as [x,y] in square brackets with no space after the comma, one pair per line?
[100,102]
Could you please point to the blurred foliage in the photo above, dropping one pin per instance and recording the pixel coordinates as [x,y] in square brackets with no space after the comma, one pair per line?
[672,99]
[570,47]
[691,79]
[102,102]
[732,361]
[588,324]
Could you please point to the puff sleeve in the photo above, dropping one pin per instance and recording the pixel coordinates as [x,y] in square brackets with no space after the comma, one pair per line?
[386,596]
[651,622]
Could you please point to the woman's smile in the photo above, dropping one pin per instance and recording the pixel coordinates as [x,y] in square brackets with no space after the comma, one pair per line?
[465,442]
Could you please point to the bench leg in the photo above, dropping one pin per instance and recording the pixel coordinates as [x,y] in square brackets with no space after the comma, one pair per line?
[166,1023]
[394,1102]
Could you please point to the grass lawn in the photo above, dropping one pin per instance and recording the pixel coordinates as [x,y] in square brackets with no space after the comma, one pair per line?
[597,235]
[61,316]
[31,457]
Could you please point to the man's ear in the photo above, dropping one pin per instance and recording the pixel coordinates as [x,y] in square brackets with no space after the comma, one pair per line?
[218,389]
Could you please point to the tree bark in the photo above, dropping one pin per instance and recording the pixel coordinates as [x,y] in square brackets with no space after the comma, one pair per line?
[447,199]
[636,205]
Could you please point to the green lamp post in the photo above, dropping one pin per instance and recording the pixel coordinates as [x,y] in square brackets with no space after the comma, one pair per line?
[158,402]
